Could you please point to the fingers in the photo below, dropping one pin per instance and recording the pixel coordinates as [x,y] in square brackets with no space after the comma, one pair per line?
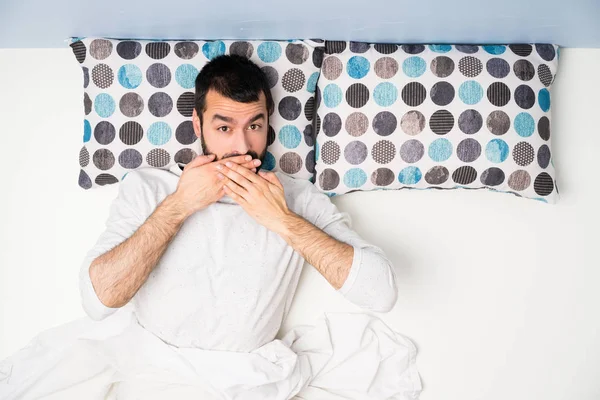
[229,185]
[238,184]
[199,160]
[271,177]
[245,161]
[241,175]
[252,164]
[237,159]
[236,192]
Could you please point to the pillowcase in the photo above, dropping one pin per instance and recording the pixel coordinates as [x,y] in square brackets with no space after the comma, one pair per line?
[436,116]
[139,98]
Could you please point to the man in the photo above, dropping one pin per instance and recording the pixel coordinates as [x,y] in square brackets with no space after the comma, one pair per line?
[210,256]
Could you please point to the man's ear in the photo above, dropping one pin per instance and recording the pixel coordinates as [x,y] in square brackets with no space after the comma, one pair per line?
[196,122]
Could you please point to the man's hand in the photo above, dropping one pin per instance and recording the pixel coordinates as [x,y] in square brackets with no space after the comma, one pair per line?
[199,185]
[261,196]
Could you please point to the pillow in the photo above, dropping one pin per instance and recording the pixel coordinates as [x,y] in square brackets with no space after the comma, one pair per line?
[139,98]
[436,116]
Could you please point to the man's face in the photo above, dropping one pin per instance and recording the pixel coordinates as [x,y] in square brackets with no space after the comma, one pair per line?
[231,128]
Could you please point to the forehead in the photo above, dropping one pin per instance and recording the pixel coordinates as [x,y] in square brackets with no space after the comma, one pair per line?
[216,103]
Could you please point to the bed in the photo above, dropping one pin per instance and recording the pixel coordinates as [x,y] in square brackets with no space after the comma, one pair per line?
[497,292]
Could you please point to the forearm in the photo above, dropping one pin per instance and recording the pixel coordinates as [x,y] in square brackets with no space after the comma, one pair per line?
[360,271]
[118,274]
[332,258]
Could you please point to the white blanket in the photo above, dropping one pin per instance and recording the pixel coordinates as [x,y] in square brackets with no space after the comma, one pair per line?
[344,356]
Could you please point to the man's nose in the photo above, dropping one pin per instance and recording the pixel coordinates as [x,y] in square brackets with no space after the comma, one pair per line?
[240,144]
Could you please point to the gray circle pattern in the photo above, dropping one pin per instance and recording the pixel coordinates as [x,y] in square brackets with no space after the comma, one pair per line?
[165,85]
[440,114]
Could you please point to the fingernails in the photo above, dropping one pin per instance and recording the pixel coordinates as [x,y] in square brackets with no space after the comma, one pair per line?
[253,169]
[220,176]
[228,163]
[248,158]
[219,167]
[257,162]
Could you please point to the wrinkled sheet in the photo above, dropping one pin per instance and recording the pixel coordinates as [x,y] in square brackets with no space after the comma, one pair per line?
[343,356]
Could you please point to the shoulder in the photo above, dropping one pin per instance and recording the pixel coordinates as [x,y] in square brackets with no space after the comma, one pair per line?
[155,179]
[144,188]
[294,186]
[300,193]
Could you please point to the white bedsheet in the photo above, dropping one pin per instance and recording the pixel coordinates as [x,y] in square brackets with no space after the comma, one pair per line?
[343,356]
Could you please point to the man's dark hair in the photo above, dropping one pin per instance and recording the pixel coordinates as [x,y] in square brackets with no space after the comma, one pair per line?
[232,76]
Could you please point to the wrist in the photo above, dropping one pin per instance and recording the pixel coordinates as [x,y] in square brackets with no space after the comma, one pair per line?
[288,225]
[176,208]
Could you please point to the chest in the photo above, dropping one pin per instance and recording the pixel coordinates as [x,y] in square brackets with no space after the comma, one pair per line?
[222,250]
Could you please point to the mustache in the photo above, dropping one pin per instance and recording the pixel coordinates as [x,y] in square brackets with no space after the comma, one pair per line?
[249,152]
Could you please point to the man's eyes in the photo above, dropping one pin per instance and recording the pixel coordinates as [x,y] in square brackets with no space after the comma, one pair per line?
[253,127]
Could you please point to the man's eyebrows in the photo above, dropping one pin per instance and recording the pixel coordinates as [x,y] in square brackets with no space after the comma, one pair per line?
[230,120]
[222,117]
[257,117]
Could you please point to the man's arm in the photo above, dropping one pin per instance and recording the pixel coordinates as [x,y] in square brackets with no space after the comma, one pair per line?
[118,274]
[332,258]
[138,232]
[323,236]
[360,271]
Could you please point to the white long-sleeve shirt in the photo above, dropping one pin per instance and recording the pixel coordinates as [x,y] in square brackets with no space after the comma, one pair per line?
[226,282]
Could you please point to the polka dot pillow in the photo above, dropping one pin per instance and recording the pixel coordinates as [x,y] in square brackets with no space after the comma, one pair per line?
[139,98]
[436,116]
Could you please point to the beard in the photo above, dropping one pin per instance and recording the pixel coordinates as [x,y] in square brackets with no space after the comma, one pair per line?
[207,151]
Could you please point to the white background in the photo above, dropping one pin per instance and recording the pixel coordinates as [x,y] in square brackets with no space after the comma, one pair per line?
[500,294]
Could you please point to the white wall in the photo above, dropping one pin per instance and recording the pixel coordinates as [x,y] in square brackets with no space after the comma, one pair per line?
[499,293]
[43,23]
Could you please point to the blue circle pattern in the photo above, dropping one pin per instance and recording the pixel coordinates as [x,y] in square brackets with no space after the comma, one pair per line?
[87,131]
[185,75]
[290,136]
[470,92]
[410,175]
[104,105]
[311,84]
[524,124]
[130,76]
[385,94]
[544,99]
[495,49]
[440,150]
[414,67]
[269,51]
[332,95]
[355,178]
[213,49]
[440,48]
[358,67]
[269,162]
[496,150]
[159,133]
